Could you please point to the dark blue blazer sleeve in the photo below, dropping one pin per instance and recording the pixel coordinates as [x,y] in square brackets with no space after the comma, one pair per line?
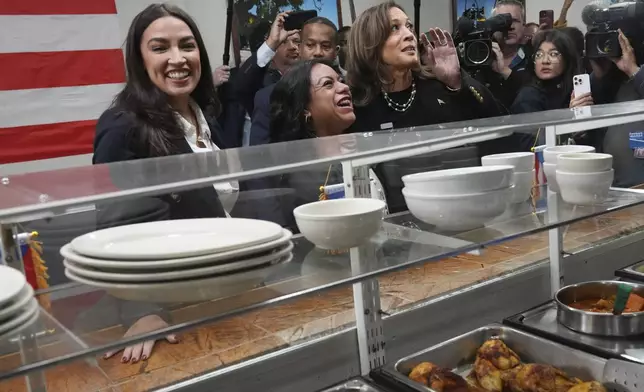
[112,142]
[248,81]
[260,130]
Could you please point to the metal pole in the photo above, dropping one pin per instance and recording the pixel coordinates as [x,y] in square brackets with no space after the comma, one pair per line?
[352,10]
[366,295]
[417,17]
[555,239]
[229,29]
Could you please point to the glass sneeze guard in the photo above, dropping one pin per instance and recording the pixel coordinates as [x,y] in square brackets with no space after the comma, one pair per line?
[45,192]
[403,242]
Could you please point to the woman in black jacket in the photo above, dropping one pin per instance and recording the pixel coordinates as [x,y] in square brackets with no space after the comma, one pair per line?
[556,61]
[167,107]
[393,88]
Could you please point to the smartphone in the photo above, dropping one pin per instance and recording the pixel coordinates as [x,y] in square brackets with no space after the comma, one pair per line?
[295,20]
[547,17]
[581,84]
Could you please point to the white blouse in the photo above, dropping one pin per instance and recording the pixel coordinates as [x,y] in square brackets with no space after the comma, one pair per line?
[227,191]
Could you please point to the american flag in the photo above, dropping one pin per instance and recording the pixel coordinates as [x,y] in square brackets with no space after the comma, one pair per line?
[61,64]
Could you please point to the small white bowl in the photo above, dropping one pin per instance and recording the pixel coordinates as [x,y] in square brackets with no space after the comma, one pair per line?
[523,182]
[460,181]
[522,161]
[550,153]
[550,169]
[458,213]
[584,162]
[584,188]
[341,223]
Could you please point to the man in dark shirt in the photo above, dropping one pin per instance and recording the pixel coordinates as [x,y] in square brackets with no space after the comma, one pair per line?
[509,73]
[319,40]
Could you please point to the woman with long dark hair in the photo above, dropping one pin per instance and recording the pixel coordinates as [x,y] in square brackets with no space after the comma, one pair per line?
[167,107]
[310,101]
[393,88]
[556,62]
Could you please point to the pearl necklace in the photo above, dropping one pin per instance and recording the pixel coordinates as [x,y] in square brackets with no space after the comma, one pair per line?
[401,107]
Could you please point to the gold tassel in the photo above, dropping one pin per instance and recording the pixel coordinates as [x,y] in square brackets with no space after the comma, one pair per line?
[42,277]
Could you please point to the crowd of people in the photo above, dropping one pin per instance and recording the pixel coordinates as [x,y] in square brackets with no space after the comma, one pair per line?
[319,81]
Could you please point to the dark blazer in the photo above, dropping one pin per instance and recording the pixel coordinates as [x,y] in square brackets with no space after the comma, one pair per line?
[114,143]
[250,79]
[260,130]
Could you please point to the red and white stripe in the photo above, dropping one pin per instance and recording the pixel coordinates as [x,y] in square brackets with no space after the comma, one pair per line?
[61,66]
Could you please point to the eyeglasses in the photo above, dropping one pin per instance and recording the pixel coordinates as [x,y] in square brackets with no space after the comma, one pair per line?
[552,56]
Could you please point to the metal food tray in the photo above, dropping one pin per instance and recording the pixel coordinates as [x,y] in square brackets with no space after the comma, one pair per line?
[631,272]
[355,385]
[459,354]
[542,321]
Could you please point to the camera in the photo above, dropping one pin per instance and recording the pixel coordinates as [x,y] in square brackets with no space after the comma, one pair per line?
[602,39]
[474,37]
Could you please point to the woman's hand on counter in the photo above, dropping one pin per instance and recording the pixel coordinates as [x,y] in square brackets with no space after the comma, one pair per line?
[142,351]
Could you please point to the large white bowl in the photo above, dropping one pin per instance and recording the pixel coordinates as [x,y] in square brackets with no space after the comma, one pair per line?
[458,213]
[584,188]
[339,224]
[455,182]
[523,182]
[550,169]
[522,161]
[584,162]
[550,153]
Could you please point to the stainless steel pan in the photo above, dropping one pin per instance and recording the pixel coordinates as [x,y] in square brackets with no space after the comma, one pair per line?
[602,324]
[459,354]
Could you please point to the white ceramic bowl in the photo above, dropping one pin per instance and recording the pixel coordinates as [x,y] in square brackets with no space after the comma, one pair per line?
[339,224]
[522,161]
[455,182]
[550,169]
[550,153]
[584,163]
[457,213]
[584,188]
[523,182]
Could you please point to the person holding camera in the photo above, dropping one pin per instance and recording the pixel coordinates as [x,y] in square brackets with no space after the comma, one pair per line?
[509,72]
[620,80]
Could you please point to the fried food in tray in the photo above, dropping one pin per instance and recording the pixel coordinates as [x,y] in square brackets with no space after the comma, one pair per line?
[499,369]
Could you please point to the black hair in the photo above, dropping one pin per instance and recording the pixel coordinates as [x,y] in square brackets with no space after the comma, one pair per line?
[289,101]
[155,123]
[577,37]
[344,29]
[565,46]
[324,21]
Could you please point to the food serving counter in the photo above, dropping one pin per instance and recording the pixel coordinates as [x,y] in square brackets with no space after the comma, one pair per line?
[495,270]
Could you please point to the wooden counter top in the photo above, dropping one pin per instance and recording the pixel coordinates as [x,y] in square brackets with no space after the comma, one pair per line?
[251,334]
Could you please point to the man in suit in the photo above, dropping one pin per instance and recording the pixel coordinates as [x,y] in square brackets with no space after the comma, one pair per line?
[265,67]
[318,40]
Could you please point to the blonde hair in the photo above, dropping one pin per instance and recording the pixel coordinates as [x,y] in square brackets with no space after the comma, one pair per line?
[367,74]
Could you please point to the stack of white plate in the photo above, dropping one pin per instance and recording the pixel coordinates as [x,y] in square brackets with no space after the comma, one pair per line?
[18,307]
[178,261]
